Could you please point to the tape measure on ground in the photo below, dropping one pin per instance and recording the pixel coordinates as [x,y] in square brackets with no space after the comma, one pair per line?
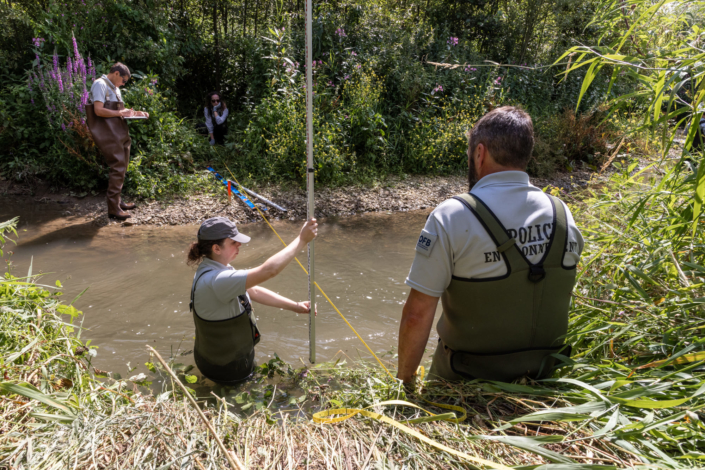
[341,414]
[420,374]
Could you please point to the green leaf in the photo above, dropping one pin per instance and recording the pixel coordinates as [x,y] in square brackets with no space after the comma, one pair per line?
[27,390]
[192,379]
[589,77]
[699,194]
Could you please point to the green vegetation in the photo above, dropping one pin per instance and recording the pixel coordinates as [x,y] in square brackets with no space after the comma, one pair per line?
[632,394]
[381,107]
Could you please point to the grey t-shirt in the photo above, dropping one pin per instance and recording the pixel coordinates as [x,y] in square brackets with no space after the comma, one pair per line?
[215,294]
[454,242]
[103,90]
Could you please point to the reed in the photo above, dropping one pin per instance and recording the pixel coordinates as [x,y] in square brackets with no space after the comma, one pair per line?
[632,394]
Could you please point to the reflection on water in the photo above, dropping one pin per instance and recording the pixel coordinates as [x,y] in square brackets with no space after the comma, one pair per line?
[138,282]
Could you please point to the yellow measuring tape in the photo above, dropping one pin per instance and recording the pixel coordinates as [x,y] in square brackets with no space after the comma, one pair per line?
[325,417]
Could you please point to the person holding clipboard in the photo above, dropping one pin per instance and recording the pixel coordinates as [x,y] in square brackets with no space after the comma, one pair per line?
[106,114]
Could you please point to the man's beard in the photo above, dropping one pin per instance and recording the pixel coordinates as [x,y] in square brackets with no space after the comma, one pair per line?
[472,174]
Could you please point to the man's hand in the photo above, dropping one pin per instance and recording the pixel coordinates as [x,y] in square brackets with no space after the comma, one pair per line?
[414,329]
[127,112]
[309,231]
[303,307]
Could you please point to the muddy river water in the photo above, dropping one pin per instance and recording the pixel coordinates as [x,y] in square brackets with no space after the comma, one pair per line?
[138,282]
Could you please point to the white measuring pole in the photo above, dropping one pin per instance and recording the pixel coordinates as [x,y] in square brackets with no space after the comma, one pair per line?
[309,181]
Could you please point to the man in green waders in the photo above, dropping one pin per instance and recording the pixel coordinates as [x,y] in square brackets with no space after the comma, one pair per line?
[501,258]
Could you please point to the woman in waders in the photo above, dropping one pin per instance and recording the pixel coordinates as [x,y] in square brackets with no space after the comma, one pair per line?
[226,330]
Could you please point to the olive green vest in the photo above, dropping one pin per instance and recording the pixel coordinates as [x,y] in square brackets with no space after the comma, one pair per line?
[225,349]
[505,327]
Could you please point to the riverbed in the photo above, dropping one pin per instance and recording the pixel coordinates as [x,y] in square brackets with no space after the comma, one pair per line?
[138,283]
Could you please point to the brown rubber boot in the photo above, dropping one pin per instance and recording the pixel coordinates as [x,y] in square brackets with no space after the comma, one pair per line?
[127,206]
[121,215]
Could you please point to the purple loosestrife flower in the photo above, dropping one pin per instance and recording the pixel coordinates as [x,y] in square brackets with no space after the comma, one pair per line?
[56,62]
[61,83]
[452,41]
[63,127]
[75,48]
[32,101]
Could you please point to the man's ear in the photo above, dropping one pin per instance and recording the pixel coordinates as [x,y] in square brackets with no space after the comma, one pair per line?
[481,155]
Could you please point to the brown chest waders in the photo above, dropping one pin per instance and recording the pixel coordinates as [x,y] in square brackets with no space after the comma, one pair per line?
[224,350]
[506,327]
[112,138]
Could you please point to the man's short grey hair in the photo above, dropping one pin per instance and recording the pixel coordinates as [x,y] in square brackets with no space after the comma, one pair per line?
[508,135]
[121,68]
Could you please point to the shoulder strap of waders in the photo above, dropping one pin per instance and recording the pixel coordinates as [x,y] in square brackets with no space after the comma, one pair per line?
[495,229]
[192,304]
[559,239]
[113,88]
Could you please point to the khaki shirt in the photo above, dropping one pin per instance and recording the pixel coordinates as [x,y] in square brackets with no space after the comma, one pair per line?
[216,292]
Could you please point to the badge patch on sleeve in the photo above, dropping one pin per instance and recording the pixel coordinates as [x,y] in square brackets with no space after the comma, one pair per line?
[426,242]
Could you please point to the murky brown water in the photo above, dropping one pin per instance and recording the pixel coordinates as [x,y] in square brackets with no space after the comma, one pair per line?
[138,282]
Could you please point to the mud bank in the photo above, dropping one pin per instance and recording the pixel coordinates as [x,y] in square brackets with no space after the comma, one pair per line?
[394,195]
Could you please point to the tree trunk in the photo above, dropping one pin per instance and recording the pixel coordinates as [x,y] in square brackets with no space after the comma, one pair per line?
[217,44]
[244,19]
[256,15]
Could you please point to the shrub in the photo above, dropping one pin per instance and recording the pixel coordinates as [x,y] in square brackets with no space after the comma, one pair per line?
[567,138]
[165,148]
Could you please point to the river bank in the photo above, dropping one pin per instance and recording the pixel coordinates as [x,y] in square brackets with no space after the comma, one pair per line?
[393,195]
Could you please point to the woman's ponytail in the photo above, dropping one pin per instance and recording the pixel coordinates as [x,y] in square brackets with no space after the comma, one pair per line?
[194,256]
[201,249]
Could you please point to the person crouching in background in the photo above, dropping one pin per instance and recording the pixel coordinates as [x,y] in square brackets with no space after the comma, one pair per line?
[216,113]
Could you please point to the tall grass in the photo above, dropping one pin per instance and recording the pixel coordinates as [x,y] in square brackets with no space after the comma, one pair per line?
[631,395]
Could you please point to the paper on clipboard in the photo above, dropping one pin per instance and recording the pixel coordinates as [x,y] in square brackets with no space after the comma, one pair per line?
[134,117]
